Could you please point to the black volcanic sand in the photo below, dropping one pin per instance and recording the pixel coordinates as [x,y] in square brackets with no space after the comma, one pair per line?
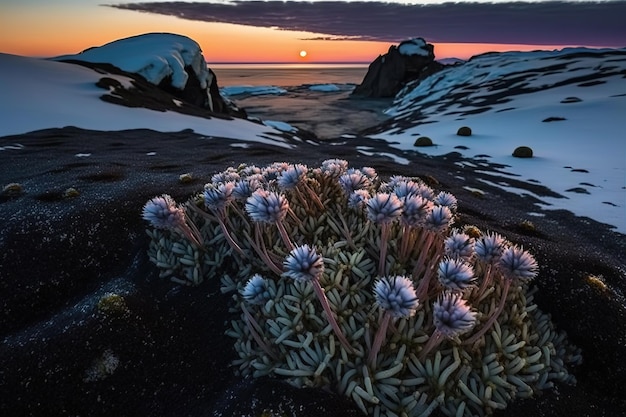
[60,255]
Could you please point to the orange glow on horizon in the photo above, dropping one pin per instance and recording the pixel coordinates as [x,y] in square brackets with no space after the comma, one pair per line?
[36,32]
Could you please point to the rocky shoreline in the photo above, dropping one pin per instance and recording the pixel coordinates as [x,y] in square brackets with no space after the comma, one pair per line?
[88,328]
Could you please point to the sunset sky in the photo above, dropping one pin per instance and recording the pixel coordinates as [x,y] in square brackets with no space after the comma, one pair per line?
[330,31]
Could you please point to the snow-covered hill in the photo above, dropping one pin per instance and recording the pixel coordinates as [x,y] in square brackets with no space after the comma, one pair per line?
[154,56]
[569,106]
[40,94]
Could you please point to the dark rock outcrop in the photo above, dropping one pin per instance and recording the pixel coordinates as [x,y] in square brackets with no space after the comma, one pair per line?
[192,100]
[411,60]
[193,93]
[174,63]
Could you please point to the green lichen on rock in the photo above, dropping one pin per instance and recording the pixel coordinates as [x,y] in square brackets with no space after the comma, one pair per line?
[185,178]
[344,280]
[12,189]
[112,305]
[71,193]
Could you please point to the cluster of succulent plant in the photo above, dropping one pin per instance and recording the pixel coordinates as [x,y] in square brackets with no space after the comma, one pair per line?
[340,279]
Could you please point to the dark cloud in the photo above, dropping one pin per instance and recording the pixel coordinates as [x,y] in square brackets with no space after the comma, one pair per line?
[543,23]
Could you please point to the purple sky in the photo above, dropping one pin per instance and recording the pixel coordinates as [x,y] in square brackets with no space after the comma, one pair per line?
[536,23]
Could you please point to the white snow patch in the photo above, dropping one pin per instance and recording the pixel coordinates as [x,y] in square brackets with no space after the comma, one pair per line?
[586,150]
[15,146]
[285,127]
[41,94]
[416,46]
[155,56]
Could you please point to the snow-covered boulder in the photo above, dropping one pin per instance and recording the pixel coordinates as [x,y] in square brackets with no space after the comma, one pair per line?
[173,62]
[410,60]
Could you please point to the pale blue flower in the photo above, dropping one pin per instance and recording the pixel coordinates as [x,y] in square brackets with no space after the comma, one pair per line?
[452,316]
[255,291]
[370,173]
[358,199]
[446,199]
[230,175]
[270,174]
[425,191]
[303,264]
[244,188]
[489,247]
[334,167]
[217,197]
[249,170]
[459,245]
[267,206]
[394,180]
[396,295]
[415,210]
[351,182]
[455,274]
[384,208]
[280,166]
[292,176]
[406,188]
[516,263]
[163,213]
[438,219]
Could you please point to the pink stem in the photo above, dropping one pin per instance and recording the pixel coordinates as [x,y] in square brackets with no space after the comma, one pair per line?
[293,217]
[407,234]
[302,199]
[494,316]
[284,235]
[228,237]
[384,238]
[430,270]
[345,230]
[263,250]
[202,213]
[422,289]
[485,282]
[434,341]
[379,339]
[194,229]
[263,255]
[314,197]
[255,329]
[419,265]
[188,233]
[319,291]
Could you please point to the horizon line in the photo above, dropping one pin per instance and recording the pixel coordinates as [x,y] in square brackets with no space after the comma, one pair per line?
[286,62]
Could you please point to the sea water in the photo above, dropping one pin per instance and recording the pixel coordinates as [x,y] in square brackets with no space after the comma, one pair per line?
[328,113]
[288,75]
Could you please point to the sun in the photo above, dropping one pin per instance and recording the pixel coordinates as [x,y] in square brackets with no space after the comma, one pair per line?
[303,54]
